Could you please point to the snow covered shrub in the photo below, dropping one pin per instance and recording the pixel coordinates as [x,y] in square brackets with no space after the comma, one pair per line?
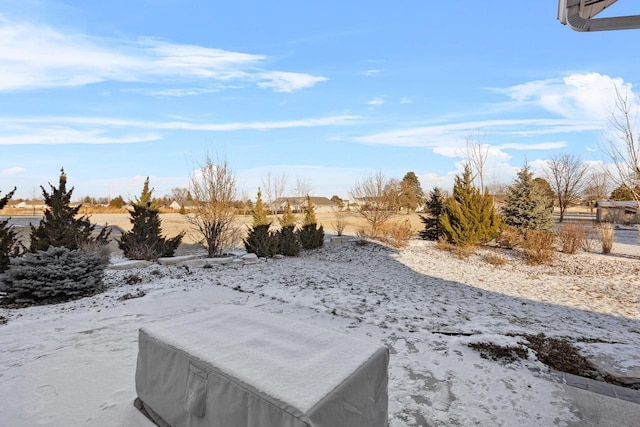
[261,241]
[52,276]
[145,240]
[571,237]
[538,246]
[100,249]
[288,242]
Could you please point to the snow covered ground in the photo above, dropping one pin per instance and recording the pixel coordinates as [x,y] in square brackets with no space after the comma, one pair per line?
[73,364]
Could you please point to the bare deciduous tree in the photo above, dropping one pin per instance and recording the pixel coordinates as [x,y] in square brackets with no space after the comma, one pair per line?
[565,173]
[273,189]
[623,144]
[476,154]
[303,187]
[596,188]
[375,200]
[213,187]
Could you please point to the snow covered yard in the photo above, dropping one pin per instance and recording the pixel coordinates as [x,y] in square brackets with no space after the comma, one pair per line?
[73,364]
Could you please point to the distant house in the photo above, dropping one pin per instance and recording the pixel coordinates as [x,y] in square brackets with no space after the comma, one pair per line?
[175,206]
[322,204]
[618,212]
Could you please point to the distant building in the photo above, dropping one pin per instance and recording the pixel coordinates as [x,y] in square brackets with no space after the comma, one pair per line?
[322,204]
[618,212]
[175,206]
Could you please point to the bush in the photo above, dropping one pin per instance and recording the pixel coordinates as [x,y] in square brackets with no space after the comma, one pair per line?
[509,237]
[495,259]
[311,236]
[572,237]
[397,233]
[340,222]
[605,231]
[100,249]
[52,276]
[288,242]
[261,241]
[538,246]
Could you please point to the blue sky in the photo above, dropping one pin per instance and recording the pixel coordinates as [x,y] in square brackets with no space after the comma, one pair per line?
[327,92]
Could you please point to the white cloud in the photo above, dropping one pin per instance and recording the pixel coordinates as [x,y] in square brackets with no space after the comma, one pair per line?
[101,130]
[587,96]
[370,73]
[376,102]
[17,170]
[406,100]
[37,56]
[537,146]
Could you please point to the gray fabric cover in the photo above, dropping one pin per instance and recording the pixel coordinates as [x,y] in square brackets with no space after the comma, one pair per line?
[237,367]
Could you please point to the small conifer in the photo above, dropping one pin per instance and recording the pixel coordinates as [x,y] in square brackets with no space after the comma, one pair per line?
[9,245]
[435,207]
[526,207]
[311,236]
[61,226]
[469,217]
[288,218]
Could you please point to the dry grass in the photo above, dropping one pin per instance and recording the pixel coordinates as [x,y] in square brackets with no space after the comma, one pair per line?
[572,237]
[460,251]
[495,259]
[538,247]
[397,233]
[509,238]
[605,231]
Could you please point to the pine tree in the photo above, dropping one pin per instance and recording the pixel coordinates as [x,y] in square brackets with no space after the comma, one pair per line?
[259,213]
[288,242]
[309,212]
[60,226]
[526,207]
[145,240]
[288,219]
[9,245]
[311,236]
[435,207]
[469,217]
[146,197]
[261,241]
[411,194]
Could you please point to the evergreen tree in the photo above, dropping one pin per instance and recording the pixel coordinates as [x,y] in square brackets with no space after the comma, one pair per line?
[261,241]
[311,236]
[624,193]
[288,242]
[309,212]
[411,194]
[145,240]
[547,192]
[60,226]
[526,207]
[469,217]
[116,202]
[146,197]
[435,207]
[288,219]
[259,213]
[9,245]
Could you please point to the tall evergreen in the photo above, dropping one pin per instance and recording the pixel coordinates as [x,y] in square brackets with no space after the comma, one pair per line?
[259,213]
[526,206]
[9,245]
[146,197]
[411,194]
[469,217]
[61,226]
[145,240]
[435,208]
[311,236]
[288,219]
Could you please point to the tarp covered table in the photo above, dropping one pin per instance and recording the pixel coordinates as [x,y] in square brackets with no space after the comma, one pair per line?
[237,367]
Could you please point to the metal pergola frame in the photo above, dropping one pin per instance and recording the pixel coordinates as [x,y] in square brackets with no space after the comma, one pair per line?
[579,15]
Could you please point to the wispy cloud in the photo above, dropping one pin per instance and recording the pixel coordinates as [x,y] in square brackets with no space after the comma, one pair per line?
[370,73]
[406,100]
[104,130]
[456,133]
[16,170]
[376,102]
[37,56]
